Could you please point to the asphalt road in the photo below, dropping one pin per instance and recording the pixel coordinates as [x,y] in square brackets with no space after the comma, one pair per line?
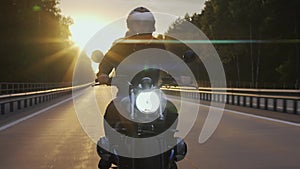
[55,139]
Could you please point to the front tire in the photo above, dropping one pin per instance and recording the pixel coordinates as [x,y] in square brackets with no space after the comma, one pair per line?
[103,164]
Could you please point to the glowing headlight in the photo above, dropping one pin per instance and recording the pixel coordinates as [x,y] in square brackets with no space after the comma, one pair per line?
[148,102]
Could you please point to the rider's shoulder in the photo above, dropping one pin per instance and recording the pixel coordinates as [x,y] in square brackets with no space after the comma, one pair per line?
[134,39]
[118,41]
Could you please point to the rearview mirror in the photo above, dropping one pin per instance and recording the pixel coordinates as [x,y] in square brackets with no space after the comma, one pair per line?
[189,56]
[97,55]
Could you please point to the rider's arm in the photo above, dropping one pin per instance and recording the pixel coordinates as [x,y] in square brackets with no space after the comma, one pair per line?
[104,69]
[111,60]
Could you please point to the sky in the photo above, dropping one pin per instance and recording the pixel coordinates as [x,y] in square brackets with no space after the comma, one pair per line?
[90,16]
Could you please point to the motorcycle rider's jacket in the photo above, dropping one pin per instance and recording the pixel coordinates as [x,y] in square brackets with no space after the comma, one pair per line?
[124,47]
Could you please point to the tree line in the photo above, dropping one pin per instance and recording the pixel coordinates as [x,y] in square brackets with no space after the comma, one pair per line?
[259,38]
[262,40]
[35,45]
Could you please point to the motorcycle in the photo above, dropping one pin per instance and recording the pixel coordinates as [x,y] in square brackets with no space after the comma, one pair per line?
[139,130]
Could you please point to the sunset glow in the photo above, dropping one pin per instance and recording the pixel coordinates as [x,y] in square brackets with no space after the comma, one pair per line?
[90,16]
[84,28]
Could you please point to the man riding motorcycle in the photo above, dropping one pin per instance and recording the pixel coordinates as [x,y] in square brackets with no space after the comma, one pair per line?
[140,23]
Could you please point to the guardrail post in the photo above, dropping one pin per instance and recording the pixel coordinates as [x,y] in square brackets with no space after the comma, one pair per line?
[266,103]
[222,98]
[19,104]
[258,102]
[227,99]
[25,103]
[284,105]
[244,101]
[251,101]
[30,102]
[11,106]
[295,106]
[275,104]
[2,108]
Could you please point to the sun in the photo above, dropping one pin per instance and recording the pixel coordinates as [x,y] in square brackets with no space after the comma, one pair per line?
[84,28]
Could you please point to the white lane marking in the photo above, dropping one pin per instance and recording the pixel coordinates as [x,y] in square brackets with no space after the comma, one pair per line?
[259,117]
[36,113]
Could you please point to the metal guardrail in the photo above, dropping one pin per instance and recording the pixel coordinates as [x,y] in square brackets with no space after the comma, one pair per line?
[10,88]
[268,99]
[252,85]
[12,102]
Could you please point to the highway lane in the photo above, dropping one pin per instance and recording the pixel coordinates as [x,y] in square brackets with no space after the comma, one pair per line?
[55,139]
[244,142]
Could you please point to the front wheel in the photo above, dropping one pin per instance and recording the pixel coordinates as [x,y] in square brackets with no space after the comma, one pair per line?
[103,164]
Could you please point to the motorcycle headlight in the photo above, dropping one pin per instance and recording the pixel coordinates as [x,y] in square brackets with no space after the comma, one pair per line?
[148,102]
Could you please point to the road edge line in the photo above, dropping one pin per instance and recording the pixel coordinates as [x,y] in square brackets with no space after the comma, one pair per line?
[11,124]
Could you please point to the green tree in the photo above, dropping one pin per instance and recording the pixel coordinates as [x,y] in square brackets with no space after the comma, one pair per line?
[269,30]
[35,44]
